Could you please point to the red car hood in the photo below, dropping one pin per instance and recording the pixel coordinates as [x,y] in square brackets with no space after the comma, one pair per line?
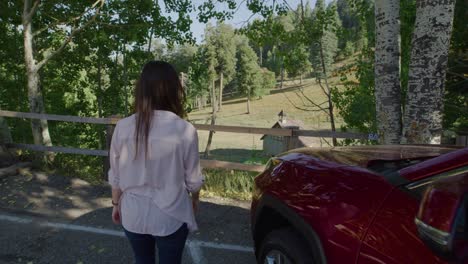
[363,156]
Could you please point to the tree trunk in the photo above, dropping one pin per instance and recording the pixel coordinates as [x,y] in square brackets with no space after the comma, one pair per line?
[125,79]
[40,128]
[282,73]
[387,71]
[332,120]
[5,134]
[428,66]
[199,103]
[150,40]
[99,100]
[99,93]
[210,136]
[221,77]
[328,94]
[248,103]
[213,96]
[261,56]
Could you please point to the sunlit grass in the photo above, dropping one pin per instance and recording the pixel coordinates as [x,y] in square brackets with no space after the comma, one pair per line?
[230,184]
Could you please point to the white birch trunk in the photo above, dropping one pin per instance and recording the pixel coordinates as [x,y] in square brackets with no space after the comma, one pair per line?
[40,129]
[387,71]
[422,121]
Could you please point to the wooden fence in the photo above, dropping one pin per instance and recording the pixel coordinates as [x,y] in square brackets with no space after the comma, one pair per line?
[204,163]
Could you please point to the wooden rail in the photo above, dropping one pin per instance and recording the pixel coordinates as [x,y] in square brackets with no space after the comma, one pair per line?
[204,163]
[233,129]
[74,119]
[330,134]
[209,164]
[246,130]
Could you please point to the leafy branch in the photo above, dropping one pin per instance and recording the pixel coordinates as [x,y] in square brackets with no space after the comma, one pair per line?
[74,31]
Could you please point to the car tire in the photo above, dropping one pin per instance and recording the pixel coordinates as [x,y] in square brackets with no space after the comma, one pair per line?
[286,244]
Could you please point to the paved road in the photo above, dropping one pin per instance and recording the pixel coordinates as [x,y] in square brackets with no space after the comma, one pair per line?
[75,228]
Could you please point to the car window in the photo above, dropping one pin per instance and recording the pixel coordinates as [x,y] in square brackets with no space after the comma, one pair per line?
[390,167]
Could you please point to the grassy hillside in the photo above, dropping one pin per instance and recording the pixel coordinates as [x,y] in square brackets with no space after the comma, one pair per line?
[264,113]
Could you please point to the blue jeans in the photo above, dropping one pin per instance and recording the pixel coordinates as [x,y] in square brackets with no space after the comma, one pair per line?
[170,248]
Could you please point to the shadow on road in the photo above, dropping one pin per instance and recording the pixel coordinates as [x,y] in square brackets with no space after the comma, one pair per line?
[44,211]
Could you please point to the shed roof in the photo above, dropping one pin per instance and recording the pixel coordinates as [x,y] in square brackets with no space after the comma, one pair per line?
[291,124]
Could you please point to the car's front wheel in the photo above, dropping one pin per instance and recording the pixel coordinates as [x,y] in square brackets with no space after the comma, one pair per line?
[284,246]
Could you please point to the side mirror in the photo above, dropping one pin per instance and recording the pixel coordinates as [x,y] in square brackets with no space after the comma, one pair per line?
[441,221]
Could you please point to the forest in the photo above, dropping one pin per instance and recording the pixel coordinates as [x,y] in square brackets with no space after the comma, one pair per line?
[82,58]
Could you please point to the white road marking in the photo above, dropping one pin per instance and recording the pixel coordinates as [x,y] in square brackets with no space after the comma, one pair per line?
[223,246]
[193,245]
[195,252]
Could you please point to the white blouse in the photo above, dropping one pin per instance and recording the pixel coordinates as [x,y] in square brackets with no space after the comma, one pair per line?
[155,188]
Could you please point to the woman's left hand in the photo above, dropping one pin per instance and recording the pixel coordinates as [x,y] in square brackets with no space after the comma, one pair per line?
[116,215]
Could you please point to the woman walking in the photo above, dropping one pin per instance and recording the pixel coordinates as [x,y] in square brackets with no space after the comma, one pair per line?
[154,165]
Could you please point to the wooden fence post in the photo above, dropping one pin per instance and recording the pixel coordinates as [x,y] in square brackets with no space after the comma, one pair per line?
[109,133]
[5,137]
[462,139]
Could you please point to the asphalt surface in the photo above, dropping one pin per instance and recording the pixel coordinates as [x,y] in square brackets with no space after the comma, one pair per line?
[56,219]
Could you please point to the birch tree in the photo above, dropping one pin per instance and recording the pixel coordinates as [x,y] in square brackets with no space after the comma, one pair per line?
[40,128]
[422,121]
[387,70]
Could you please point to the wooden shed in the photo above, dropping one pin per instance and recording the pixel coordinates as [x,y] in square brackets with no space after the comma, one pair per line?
[273,145]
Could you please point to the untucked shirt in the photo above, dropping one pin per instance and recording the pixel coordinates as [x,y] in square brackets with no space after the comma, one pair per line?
[163,175]
[140,215]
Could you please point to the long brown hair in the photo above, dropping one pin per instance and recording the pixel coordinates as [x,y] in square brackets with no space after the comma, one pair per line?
[158,88]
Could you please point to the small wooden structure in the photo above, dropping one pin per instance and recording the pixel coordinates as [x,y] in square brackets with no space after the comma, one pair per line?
[274,144]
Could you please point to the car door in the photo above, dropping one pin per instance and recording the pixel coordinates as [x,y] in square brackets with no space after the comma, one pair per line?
[393,235]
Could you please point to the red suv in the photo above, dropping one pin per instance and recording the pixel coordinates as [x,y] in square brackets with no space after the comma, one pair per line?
[375,204]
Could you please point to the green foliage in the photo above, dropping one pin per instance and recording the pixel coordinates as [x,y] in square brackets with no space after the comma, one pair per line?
[182,57]
[456,98]
[272,63]
[356,102]
[297,62]
[323,25]
[199,74]
[268,80]
[348,49]
[248,75]
[209,10]
[350,35]
[263,8]
[220,39]
[94,74]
